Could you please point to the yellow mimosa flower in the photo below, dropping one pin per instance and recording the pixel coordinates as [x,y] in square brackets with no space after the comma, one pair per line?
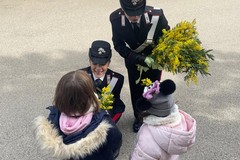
[106,99]
[179,50]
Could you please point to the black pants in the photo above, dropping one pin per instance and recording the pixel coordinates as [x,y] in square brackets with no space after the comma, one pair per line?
[136,90]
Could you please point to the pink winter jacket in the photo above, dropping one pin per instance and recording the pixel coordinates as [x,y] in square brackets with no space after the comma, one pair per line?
[165,138]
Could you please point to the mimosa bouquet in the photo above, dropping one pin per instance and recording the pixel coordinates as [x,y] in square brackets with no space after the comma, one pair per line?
[179,50]
[106,98]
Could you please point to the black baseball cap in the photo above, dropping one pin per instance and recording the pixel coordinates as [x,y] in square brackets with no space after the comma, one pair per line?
[100,52]
[133,7]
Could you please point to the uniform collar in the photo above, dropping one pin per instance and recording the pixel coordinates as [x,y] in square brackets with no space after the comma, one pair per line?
[94,77]
[138,22]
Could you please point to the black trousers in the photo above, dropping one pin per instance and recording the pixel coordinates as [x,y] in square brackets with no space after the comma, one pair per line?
[136,90]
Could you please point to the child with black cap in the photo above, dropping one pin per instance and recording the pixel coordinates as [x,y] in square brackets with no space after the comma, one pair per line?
[100,55]
[167,132]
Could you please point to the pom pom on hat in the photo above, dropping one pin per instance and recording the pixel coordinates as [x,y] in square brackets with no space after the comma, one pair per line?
[167,87]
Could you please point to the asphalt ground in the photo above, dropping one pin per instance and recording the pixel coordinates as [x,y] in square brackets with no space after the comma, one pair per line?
[42,40]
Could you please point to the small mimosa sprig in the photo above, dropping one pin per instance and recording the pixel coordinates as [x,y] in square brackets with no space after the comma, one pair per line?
[146,82]
[106,98]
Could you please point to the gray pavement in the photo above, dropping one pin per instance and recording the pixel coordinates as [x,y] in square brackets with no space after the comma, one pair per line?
[42,40]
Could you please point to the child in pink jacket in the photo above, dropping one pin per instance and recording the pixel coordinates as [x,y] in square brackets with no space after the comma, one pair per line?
[167,132]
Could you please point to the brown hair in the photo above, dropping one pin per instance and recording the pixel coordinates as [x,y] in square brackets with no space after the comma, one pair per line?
[75,93]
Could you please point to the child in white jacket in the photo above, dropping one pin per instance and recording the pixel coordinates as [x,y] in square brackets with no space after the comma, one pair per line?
[167,132]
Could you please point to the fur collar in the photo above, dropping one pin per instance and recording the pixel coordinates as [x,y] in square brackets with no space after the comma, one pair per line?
[174,118]
[49,140]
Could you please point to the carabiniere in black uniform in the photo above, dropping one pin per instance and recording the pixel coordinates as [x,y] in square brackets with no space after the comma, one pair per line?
[118,105]
[126,41]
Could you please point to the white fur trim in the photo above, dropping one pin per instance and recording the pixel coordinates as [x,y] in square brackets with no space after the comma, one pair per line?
[49,140]
[174,117]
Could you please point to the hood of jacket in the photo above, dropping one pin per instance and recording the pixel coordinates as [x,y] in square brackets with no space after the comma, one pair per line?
[176,138]
[50,140]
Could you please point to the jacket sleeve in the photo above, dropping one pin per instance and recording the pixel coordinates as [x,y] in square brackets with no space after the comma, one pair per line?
[118,41]
[145,147]
[119,44]
[114,139]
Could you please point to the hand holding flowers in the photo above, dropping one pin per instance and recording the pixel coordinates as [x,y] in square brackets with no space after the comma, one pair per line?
[179,50]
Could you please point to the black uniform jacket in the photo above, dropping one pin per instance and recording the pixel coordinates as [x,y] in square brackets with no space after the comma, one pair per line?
[124,34]
[118,105]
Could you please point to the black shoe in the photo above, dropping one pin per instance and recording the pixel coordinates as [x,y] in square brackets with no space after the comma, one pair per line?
[136,125]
